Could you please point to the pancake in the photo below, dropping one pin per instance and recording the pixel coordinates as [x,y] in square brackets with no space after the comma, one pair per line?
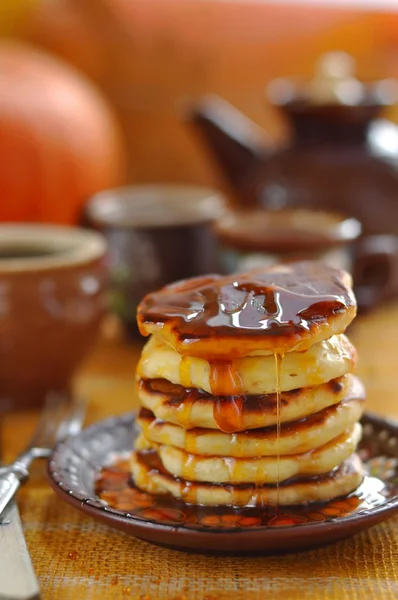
[250,375]
[149,476]
[265,469]
[271,310]
[195,408]
[295,438]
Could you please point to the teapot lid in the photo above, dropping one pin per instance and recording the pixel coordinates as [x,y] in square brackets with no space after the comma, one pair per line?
[334,83]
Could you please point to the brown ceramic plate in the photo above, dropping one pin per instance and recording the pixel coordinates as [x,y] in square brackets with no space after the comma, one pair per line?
[75,466]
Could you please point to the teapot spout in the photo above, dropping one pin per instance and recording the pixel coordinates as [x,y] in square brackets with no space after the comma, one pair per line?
[237,143]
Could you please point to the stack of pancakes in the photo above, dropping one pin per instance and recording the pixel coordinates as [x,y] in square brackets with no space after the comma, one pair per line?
[247,391]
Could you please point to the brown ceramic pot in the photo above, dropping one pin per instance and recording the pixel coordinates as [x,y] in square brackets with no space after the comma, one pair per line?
[51,301]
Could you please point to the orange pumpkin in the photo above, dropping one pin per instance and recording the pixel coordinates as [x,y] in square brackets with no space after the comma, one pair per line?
[59,141]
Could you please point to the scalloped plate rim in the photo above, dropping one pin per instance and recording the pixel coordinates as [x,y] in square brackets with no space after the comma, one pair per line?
[114,516]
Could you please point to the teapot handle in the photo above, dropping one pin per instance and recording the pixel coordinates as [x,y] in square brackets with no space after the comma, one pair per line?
[375,270]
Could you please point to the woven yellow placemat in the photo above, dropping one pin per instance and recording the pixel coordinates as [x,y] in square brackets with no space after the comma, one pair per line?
[76,558]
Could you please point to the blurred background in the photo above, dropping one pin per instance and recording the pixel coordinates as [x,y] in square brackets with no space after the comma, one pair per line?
[198,136]
[148,58]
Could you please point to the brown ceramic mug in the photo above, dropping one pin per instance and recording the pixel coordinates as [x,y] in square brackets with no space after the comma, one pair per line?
[51,301]
[256,237]
[260,237]
[157,234]
[376,270]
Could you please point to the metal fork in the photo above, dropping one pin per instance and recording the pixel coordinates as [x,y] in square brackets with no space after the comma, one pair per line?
[59,419]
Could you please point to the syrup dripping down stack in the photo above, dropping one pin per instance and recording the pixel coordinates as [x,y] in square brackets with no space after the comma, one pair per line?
[247,389]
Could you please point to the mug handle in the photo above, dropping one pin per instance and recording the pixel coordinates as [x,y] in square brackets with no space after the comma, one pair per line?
[375,270]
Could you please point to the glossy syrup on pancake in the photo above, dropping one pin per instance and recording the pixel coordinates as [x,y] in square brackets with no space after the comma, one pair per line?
[151,459]
[284,302]
[177,395]
[115,487]
[228,412]
[288,301]
[227,409]
[278,369]
[184,413]
[185,408]
[296,437]
[286,429]
[229,417]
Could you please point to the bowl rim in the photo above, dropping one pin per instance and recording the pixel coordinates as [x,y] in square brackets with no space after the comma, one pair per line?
[62,247]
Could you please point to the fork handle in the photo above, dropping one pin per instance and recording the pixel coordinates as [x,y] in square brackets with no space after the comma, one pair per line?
[9,485]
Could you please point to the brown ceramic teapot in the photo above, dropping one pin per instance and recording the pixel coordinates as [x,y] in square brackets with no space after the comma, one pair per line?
[342,157]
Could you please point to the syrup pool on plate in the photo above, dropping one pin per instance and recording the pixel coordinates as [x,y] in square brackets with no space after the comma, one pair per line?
[116,489]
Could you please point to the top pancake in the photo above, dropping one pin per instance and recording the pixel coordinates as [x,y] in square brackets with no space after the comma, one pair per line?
[280,309]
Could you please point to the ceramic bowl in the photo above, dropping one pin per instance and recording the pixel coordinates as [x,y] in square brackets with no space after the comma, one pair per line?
[52,282]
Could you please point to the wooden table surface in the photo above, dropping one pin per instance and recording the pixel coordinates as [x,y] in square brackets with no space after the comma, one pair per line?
[107,380]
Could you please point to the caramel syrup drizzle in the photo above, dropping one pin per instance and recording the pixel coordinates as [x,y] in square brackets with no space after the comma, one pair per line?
[185,407]
[228,415]
[278,374]
[115,487]
[184,417]
[227,410]
[263,303]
